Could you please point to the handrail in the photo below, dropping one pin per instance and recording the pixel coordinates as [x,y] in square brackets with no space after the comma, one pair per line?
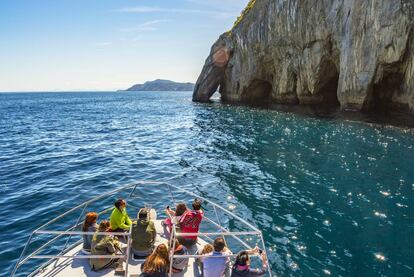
[173,234]
[218,206]
[97,198]
[60,234]
[76,257]
[18,263]
[241,233]
[33,274]
[245,233]
[81,233]
[224,229]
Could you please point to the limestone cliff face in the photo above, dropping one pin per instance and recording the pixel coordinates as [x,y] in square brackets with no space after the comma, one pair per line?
[358,54]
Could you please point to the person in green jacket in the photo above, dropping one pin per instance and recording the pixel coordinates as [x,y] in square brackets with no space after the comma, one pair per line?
[143,234]
[104,245]
[120,221]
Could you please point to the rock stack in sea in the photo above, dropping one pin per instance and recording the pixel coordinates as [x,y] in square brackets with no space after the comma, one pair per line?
[356,54]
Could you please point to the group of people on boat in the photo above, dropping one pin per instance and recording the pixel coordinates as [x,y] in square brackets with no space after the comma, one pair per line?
[214,260]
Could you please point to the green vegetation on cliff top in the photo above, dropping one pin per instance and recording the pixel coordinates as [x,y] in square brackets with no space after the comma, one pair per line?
[246,10]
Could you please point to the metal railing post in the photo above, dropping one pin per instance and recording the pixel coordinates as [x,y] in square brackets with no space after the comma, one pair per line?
[172,250]
[171,194]
[219,223]
[132,192]
[76,224]
[226,230]
[128,252]
[218,206]
[21,255]
[264,249]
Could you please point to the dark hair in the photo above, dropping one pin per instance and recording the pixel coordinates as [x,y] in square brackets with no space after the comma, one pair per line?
[143,213]
[180,209]
[242,258]
[119,202]
[197,204]
[219,244]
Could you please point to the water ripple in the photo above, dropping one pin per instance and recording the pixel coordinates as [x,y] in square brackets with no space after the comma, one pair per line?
[332,197]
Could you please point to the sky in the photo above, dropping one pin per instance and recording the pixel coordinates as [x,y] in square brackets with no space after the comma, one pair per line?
[65,45]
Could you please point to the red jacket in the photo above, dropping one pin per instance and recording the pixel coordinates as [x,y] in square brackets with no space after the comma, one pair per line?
[190,222]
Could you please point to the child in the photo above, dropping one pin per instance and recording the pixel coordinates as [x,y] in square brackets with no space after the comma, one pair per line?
[173,217]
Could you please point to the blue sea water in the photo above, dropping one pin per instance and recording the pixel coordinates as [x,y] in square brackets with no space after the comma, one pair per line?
[332,197]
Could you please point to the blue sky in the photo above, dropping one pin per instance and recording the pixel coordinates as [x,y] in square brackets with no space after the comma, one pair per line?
[107,44]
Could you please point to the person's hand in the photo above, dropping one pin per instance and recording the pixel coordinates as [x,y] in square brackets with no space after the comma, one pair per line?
[254,250]
[263,257]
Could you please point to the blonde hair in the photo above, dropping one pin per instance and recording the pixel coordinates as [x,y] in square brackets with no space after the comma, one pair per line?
[158,260]
[208,248]
[104,226]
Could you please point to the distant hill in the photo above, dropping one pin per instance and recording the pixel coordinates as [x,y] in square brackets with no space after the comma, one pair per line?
[162,85]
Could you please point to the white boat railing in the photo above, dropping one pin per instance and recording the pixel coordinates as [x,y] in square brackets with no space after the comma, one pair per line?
[71,231]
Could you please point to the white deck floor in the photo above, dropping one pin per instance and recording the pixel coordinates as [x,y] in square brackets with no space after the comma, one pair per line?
[66,267]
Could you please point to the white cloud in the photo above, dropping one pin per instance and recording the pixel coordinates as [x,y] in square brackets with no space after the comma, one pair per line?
[145,9]
[141,9]
[234,5]
[146,26]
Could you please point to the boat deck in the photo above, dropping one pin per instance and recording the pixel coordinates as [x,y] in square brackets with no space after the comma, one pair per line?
[67,267]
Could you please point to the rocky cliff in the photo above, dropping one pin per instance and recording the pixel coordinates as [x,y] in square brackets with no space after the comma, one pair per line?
[356,54]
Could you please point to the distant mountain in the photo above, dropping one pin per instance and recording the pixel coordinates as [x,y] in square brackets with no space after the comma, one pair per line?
[162,85]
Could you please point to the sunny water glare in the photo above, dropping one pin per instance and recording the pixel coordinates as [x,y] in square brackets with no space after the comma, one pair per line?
[332,197]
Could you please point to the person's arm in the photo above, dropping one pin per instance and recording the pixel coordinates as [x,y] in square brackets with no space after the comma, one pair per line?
[227,251]
[109,245]
[127,219]
[263,257]
[262,271]
[169,212]
[122,225]
[182,218]
[253,251]
[153,231]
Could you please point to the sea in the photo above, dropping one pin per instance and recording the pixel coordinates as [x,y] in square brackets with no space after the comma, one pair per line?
[333,196]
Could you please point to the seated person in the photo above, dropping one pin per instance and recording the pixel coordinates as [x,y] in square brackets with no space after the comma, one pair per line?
[241,267]
[120,221]
[173,217]
[104,245]
[89,225]
[157,264]
[143,234]
[179,264]
[216,267]
[190,223]
[207,249]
